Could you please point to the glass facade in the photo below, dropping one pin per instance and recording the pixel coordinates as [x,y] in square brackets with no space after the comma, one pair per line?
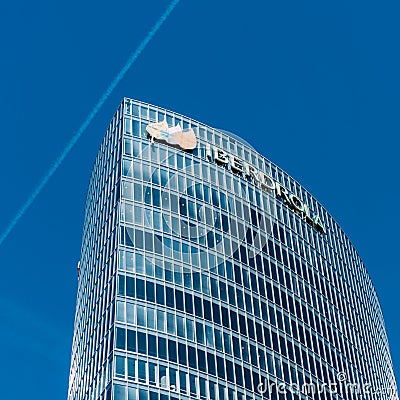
[212,274]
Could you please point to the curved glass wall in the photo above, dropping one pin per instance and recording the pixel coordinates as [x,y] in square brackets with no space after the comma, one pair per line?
[210,273]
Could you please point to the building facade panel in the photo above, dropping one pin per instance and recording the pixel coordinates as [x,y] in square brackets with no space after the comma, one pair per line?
[209,272]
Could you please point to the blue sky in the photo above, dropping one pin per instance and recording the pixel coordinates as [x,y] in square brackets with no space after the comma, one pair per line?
[314,86]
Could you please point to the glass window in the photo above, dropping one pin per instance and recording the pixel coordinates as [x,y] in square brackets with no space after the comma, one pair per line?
[120,366]
[119,392]
[130,287]
[227,343]
[170,323]
[229,371]
[193,384]
[209,336]
[120,311]
[183,381]
[130,313]
[127,168]
[172,378]
[221,367]
[152,373]
[182,354]
[120,338]
[152,345]
[151,323]
[128,214]
[192,357]
[128,146]
[140,289]
[150,290]
[141,315]
[218,339]
[180,326]
[245,350]
[162,348]
[211,363]
[131,368]
[236,346]
[127,188]
[200,332]
[142,371]
[131,340]
[161,321]
[172,353]
[190,329]
[128,125]
[160,296]
[132,393]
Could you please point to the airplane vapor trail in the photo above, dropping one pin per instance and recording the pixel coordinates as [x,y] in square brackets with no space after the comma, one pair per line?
[133,57]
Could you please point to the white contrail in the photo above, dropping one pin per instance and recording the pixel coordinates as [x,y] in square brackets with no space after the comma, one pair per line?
[88,120]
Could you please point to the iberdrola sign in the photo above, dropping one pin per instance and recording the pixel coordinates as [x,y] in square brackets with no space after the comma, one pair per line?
[235,164]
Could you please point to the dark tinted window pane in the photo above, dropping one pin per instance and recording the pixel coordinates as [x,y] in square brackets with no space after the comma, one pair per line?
[150,291]
[170,297]
[189,303]
[192,357]
[152,345]
[239,377]
[211,363]
[220,367]
[131,346]
[216,314]
[182,354]
[140,292]
[160,294]
[162,348]
[201,360]
[198,307]
[172,356]
[120,338]
[179,300]
[229,371]
[207,310]
[142,343]
[225,317]
[130,287]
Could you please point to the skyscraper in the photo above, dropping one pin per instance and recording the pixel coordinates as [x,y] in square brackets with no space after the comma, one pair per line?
[208,272]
